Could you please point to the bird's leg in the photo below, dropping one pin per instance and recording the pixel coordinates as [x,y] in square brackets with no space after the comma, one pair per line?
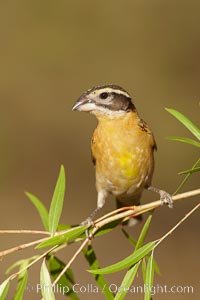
[164,196]
[100,203]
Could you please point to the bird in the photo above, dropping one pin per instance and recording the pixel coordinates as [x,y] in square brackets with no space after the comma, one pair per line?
[122,148]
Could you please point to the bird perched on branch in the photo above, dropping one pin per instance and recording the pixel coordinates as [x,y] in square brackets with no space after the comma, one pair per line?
[122,147]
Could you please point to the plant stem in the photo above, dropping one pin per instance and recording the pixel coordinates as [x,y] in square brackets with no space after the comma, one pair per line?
[178,224]
[25,231]
[20,247]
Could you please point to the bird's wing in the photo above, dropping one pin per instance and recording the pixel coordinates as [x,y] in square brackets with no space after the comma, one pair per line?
[143,125]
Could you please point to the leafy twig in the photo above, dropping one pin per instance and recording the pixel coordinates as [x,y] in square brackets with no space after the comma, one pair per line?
[122,213]
[102,222]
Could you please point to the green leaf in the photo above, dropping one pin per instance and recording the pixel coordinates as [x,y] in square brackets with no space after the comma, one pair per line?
[106,228]
[4,289]
[67,281]
[41,210]
[57,202]
[144,269]
[21,286]
[56,266]
[186,122]
[186,177]
[45,283]
[16,264]
[62,227]
[149,278]
[156,267]
[100,279]
[69,236]
[143,233]
[127,281]
[193,170]
[127,262]
[184,140]
[21,263]
[129,237]
[144,266]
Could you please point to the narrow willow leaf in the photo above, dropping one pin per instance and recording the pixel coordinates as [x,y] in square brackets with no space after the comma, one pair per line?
[67,281]
[144,269]
[23,268]
[144,266]
[56,266]
[129,237]
[63,238]
[190,171]
[16,264]
[184,140]
[156,267]
[149,278]
[100,279]
[186,177]
[21,286]
[20,263]
[143,233]
[45,283]
[106,228]
[4,289]
[127,281]
[186,122]
[57,202]
[41,209]
[64,227]
[127,262]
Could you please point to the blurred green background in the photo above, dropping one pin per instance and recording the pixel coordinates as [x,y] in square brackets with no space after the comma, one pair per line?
[50,53]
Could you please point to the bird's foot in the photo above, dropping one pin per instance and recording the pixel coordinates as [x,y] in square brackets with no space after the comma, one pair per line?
[165,197]
[89,220]
[89,223]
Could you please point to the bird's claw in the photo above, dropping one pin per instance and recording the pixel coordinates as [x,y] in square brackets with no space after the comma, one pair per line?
[89,223]
[166,198]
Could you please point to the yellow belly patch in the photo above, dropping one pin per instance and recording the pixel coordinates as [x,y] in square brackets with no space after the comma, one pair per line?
[127,167]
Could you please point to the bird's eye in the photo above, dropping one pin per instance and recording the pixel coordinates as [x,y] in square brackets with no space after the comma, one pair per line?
[103,95]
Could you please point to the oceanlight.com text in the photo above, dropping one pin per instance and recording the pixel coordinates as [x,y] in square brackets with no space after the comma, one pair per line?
[114,288]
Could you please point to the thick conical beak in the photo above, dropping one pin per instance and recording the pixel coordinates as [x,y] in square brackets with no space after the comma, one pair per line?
[80,102]
[76,105]
[83,104]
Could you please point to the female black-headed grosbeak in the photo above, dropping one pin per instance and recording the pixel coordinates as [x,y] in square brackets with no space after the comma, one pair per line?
[122,147]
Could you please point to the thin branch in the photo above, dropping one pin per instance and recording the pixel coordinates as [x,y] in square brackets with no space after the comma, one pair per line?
[131,211]
[186,195]
[177,225]
[20,247]
[87,240]
[71,261]
[25,231]
[14,275]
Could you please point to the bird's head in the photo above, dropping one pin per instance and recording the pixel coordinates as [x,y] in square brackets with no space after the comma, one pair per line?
[106,100]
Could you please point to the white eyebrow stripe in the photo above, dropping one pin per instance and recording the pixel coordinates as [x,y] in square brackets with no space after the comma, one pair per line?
[112,90]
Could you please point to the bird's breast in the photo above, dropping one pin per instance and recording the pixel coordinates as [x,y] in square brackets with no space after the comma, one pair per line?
[123,155]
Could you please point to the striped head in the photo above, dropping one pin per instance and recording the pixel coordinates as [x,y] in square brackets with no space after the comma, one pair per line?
[106,100]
